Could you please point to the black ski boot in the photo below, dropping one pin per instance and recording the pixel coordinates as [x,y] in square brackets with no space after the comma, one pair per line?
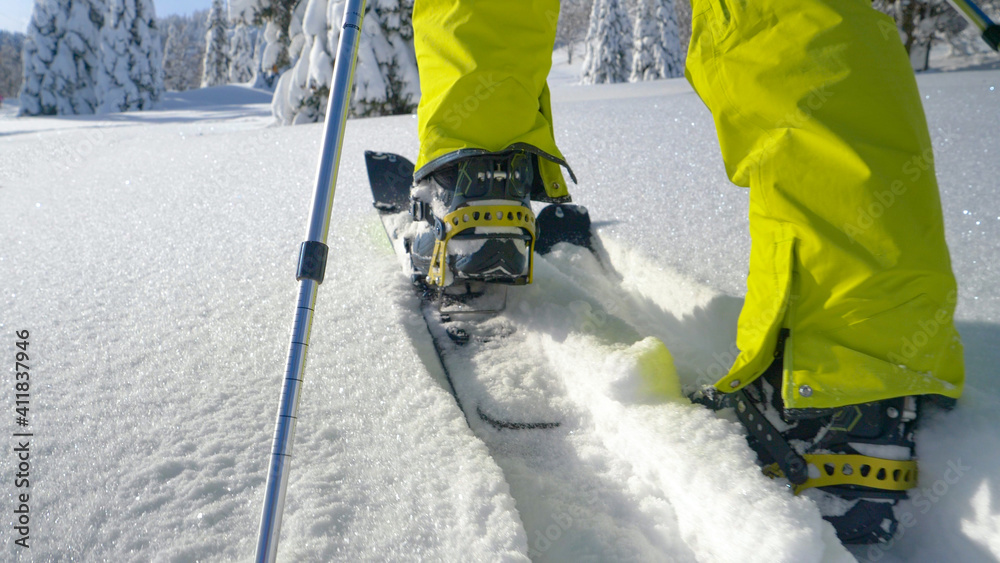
[478,223]
[855,461]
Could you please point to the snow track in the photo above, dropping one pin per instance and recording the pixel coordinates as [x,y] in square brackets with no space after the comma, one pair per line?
[629,476]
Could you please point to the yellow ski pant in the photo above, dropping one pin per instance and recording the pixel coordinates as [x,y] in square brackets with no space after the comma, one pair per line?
[483,65]
[818,113]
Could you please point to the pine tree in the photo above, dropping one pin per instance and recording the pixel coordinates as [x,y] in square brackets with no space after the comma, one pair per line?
[148,52]
[11,66]
[656,46]
[216,47]
[301,88]
[262,78]
[130,73]
[921,22]
[60,57]
[609,55]
[241,54]
[385,78]
[571,27]
[276,16]
[184,51]
[387,82]
[172,58]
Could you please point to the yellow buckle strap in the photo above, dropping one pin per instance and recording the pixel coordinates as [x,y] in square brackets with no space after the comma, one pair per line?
[852,469]
[479,216]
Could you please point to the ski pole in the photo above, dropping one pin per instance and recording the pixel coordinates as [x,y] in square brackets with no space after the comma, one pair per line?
[311,268]
[978,18]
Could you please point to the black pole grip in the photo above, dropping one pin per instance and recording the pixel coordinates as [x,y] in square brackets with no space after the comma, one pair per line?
[992,36]
[312,261]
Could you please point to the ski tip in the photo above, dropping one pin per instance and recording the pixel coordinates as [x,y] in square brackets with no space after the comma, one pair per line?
[562,222]
[390,177]
[387,157]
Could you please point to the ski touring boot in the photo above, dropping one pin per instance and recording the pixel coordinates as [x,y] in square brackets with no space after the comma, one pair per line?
[856,462]
[474,220]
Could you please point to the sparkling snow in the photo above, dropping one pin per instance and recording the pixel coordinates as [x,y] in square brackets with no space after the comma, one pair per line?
[151,255]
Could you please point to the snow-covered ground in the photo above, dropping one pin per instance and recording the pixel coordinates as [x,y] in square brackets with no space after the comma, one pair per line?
[565,72]
[151,256]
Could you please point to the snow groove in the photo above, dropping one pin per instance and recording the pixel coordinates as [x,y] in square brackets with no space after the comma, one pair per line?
[676,464]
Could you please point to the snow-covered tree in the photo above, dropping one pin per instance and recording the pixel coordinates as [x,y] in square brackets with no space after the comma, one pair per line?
[216,66]
[130,73]
[11,67]
[571,28]
[289,90]
[656,47]
[683,10]
[60,57]
[262,78]
[184,50]
[276,16]
[609,40]
[172,60]
[385,79]
[920,23]
[242,64]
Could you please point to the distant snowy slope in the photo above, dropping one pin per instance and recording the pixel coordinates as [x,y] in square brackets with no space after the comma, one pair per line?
[211,98]
[152,258]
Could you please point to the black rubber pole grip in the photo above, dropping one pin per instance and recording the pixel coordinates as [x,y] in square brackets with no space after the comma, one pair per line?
[992,36]
[312,261]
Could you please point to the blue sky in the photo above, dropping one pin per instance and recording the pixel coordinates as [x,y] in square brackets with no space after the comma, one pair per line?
[14,14]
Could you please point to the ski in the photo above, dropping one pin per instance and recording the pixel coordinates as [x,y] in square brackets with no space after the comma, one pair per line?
[464,320]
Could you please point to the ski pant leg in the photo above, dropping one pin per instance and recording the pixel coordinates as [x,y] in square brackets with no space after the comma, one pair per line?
[483,69]
[818,113]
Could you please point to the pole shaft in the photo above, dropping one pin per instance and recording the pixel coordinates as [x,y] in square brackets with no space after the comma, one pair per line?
[333,131]
[319,223]
[284,427]
[972,13]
